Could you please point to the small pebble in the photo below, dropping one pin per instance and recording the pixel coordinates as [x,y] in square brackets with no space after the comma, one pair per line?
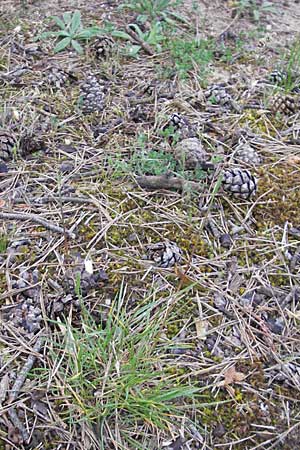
[225,240]
[66,167]
[3,167]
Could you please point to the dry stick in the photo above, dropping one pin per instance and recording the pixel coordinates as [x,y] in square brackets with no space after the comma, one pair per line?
[79,200]
[18,424]
[15,292]
[167,182]
[34,218]
[143,44]
[18,385]
[25,370]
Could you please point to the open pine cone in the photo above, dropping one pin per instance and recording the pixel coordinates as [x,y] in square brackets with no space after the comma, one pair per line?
[240,183]
[164,254]
[102,46]
[181,126]
[278,76]
[8,145]
[91,95]
[216,94]
[285,104]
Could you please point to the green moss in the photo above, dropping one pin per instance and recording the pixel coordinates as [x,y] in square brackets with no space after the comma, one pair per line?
[281,202]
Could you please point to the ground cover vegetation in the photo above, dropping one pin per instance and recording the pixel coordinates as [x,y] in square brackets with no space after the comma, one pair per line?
[149,224]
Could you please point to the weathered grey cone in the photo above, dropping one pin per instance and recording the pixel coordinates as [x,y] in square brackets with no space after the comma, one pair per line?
[247,154]
[102,46]
[217,94]
[57,77]
[7,145]
[91,95]
[26,315]
[239,182]
[164,254]
[190,153]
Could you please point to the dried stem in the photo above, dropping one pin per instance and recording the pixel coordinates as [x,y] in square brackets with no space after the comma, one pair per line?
[34,218]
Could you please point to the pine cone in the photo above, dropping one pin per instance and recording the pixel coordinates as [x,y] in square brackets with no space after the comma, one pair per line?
[181,126]
[239,182]
[102,46]
[164,254]
[285,104]
[85,280]
[247,154]
[8,145]
[56,76]
[61,306]
[217,95]
[278,77]
[91,96]
[26,315]
[190,153]
[32,142]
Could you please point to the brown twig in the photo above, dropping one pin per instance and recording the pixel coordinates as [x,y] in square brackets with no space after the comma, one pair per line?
[34,218]
[143,44]
[167,182]
[25,370]
[18,385]
[18,424]
[64,199]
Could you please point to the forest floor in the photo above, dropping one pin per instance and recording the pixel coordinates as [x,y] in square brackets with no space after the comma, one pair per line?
[143,305]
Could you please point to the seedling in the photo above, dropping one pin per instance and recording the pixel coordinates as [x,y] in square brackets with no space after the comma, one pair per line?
[188,55]
[154,37]
[254,8]
[155,9]
[71,31]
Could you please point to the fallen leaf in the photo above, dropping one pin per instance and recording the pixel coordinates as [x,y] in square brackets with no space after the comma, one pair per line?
[2,203]
[88,264]
[201,328]
[232,376]
[184,279]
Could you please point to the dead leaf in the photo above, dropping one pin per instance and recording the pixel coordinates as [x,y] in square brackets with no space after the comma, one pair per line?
[184,279]
[232,376]
[88,264]
[201,328]
[2,203]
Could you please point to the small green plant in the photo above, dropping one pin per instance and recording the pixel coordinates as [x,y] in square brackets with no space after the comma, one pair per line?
[154,9]
[154,37]
[292,67]
[77,287]
[143,162]
[191,55]
[71,31]
[154,162]
[254,8]
[170,133]
[3,243]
